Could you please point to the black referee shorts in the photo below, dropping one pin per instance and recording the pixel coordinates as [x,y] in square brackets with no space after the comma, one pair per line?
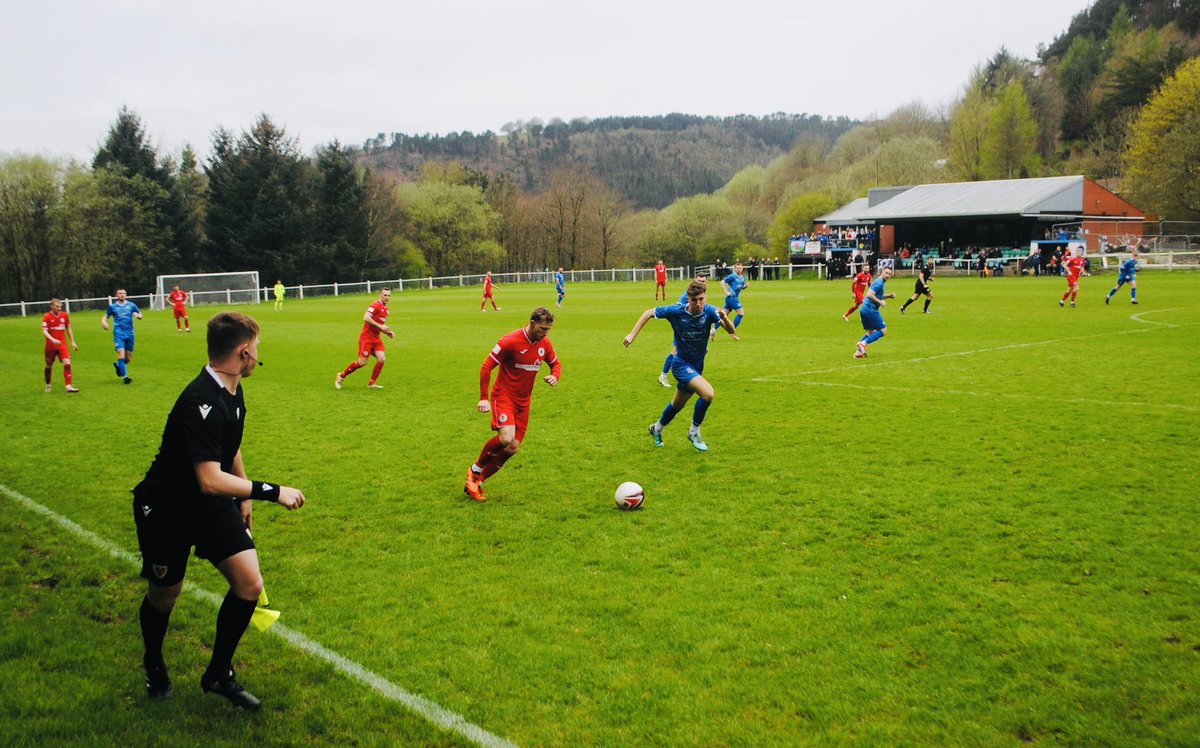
[921,289]
[166,537]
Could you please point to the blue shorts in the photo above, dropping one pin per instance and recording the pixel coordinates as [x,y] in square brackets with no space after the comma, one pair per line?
[871,320]
[1124,278]
[684,372]
[733,303]
[123,344]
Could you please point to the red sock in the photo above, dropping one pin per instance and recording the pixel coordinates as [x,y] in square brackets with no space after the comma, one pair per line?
[375,372]
[488,451]
[66,374]
[48,370]
[353,367]
[495,464]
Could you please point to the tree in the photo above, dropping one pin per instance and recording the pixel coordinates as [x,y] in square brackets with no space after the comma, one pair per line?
[30,195]
[1077,74]
[797,218]
[451,224]
[968,130]
[1162,163]
[190,192]
[341,218]
[1010,145]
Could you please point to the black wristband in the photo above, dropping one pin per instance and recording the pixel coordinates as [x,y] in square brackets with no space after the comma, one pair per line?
[263,491]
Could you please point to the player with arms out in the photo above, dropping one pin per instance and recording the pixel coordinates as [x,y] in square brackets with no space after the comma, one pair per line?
[123,312]
[670,360]
[870,315]
[196,494]
[733,285]
[519,356]
[660,280]
[1074,266]
[1127,274]
[692,323]
[560,285]
[488,285]
[56,326]
[369,342]
[179,301]
[858,287]
[924,278]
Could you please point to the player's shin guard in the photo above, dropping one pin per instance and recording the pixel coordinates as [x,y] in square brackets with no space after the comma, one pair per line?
[232,620]
[927,303]
[668,414]
[66,375]
[48,371]
[737,320]
[375,372]
[122,370]
[154,630]
[353,367]
[496,463]
[488,452]
[700,411]
[875,335]
[1133,293]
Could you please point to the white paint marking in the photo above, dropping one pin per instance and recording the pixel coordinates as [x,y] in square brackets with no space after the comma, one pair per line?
[1138,317]
[431,711]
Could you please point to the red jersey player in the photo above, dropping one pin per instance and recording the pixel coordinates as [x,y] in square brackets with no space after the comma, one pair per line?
[862,281]
[660,280]
[487,293]
[178,300]
[1074,267]
[369,342]
[520,356]
[56,326]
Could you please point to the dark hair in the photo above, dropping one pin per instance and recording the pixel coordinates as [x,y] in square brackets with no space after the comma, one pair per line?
[694,289]
[227,331]
[541,314]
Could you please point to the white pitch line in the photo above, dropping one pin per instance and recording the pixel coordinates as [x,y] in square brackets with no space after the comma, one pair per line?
[430,710]
[1138,317]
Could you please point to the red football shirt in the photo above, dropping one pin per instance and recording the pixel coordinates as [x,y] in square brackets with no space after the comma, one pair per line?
[861,282]
[379,312]
[660,274]
[519,361]
[178,298]
[1074,267]
[56,325]
[487,285]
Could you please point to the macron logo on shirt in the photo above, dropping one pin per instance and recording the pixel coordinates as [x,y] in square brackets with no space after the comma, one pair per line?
[204,409]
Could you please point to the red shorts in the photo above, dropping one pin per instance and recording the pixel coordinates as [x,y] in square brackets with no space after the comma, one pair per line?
[662,282]
[59,351]
[858,296]
[180,312]
[369,344]
[509,412]
[1072,280]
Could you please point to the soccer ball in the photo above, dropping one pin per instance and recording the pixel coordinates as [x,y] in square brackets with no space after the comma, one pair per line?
[629,495]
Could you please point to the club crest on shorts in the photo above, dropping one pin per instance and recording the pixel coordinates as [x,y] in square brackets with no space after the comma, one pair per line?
[159,570]
[503,418]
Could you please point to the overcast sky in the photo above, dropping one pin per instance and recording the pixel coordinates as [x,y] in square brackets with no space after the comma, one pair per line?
[348,70]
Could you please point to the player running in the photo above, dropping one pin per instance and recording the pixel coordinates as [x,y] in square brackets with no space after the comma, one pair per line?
[123,312]
[733,285]
[692,323]
[660,280]
[1128,274]
[1074,266]
[487,293]
[56,326]
[178,301]
[520,355]
[560,286]
[872,319]
[924,278]
[369,342]
[670,360]
[858,287]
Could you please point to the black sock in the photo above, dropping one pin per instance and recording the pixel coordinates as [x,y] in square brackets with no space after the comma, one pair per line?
[906,304]
[927,301]
[154,630]
[232,620]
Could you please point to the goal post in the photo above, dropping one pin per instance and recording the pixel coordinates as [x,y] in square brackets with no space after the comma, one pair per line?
[210,288]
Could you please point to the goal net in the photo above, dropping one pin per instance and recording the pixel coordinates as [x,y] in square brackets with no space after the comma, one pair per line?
[210,288]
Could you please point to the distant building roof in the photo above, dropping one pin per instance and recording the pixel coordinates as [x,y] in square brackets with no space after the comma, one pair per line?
[845,215]
[1006,197]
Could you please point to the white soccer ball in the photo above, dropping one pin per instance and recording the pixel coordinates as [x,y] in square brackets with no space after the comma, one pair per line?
[629,495]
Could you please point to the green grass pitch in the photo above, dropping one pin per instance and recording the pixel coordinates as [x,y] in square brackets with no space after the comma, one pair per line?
[985,533]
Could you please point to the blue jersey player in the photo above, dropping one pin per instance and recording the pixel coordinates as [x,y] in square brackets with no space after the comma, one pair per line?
[670,360]
[733,285]
[123,313]
[560,286]
[869,312]
[1128,274]
[692,323]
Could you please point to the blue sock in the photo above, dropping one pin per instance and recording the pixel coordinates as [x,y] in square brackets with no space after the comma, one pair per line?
[668,362]
[1133,293]
[737,320]
[875,335]
[700,411]
[668,414]
[1113,292]
[121,367]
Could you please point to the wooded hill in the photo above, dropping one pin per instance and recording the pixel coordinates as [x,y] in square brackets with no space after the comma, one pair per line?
[651,161]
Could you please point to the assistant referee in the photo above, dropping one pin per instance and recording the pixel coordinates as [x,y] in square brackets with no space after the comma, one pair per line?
[196,493]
